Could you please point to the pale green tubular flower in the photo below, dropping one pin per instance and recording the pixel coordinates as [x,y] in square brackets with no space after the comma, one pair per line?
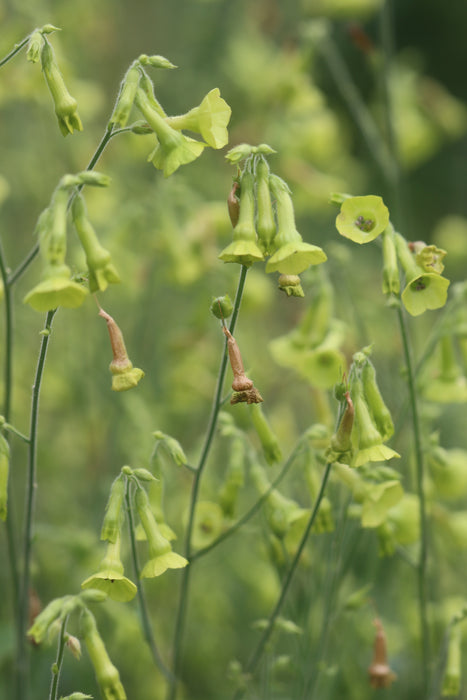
[107,674]
[65,105]
[292,255]
[210,119]
[244,249]
[110,578]
[369,444]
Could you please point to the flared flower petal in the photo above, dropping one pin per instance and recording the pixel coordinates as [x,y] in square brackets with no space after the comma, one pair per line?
[128,379]
[114,584]
[295,257]
[210,119]
[362,219]
[171,153]
[57,289]
[428,290]
[374,453]
[242,252]
[160,564]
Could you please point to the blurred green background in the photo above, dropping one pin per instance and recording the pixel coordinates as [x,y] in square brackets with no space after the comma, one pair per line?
[165,236]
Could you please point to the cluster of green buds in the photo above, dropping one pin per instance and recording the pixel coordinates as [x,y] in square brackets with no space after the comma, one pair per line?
[66,107]
[110,578]
[262,214]
[362,219]
[173,148]
[57,287]
[366,422]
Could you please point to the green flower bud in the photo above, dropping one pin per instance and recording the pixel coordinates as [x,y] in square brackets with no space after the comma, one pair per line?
[126,97]
[65,104]
[173,149]
[86,177]
[271,450]
[292,254]
[110,579]
[370,442]
[265,224]
[210,119]
[391,280]
[155,61]
[243,249]
[341,442]
[424,290]
[34,49]
[55,610]
[172,447]
[107,675]
[101,270]
[244,150]
[161,556]
[113,512]
[222,307]
[379,411]
[124,375]
[4,468]
[74,645]
[362,219]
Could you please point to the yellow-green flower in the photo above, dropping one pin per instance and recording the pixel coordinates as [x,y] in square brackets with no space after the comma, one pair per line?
[369,443]
[107,674]
[65,104]
[173,148]
[292,255]
[244,249]
[161,556]
[110,578]
[210,119]
[56,289]
[362,219]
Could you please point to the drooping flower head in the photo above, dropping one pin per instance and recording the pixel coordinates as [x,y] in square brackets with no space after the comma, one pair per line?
[107,674]
[124,375]
[110,578]
[65,105]
[244,248]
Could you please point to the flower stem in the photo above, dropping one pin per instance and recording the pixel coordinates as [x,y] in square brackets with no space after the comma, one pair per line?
[258,651]
[422,560]
[22,661]
[23,266]
[57,666]
[8,383]
[185,585]
[17,48]
[148,631]
[254,508]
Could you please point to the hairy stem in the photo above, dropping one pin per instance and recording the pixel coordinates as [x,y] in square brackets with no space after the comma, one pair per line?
[57,666]
[260,647]
[17,48]
[185,585]
[147,629]
[22,661]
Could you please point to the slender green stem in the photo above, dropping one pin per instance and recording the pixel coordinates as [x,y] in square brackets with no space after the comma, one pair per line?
[14,51]
[11,429]
[22,668]
[57,666]
[147,628]
[258,651]
[185,584]
[254,508]
[7,399]
[422,561]
[356,105]
[23,266]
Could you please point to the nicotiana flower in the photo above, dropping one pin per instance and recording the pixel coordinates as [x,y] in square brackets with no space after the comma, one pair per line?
[378,409]
[126,96]
[244,249]
[101,270]
[210,119]
[107,674]
[171,446]
[424,290]
[265,223]
[110,578]
[65,104]
[269,442]
[291,285]
[56,289]
[292,255]
[380,674]
[173,148]
[369,443]
[391,279]
[161,556]
[124,375]
[362,219]
[113,512]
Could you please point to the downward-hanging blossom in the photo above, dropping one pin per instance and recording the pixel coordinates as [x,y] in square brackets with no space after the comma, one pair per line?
[124,375]
[244,249]
[66,107]
[110,579]
[107,674]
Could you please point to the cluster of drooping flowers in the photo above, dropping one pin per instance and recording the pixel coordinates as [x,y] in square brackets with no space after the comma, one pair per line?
[362,219]
[173,148]
[262,214]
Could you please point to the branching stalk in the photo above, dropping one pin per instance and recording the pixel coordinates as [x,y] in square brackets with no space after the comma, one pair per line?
[185,584]
[57,666]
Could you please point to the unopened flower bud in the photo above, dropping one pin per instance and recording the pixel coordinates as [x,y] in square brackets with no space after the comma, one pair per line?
[291,285]
[107,675]
[65,104]
[222,307]
[379,672]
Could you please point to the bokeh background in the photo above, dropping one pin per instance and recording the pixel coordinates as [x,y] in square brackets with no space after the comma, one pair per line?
[273,62]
